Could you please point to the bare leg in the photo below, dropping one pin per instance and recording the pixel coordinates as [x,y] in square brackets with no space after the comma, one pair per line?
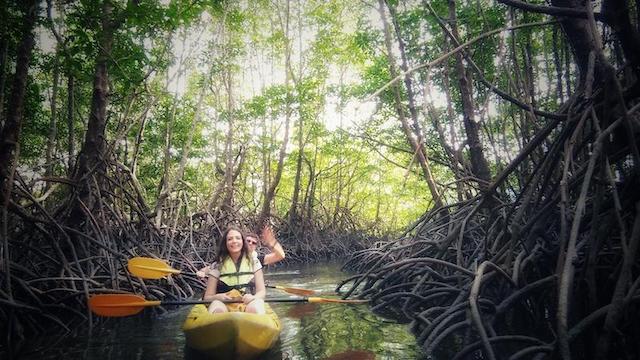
[256,306]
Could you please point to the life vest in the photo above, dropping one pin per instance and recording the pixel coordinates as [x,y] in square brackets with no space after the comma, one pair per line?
[236,277]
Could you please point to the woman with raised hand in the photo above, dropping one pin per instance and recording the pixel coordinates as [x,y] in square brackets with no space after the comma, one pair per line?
[269,240]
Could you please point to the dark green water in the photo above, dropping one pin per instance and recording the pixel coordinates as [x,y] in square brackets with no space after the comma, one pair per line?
[310,331]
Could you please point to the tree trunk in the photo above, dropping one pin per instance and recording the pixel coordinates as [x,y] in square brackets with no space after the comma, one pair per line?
[71,143]
[227,202]
[293,212]
[340,166]
[139,138]
[166,164]
[479,164]
[618,13]
[91,157]
[311,187]
[423,156]
[581,39]
[304,212]
[567,68]
[265,213]
[4,48]
[10,135]
[415,145]
[266,205]
[67,61]
[171,181]
[266,161]
[164,186]
[558,65]
[456,151]
[53,129]
[339,183]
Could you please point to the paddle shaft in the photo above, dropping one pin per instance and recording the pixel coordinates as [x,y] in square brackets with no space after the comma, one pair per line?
[284,273]
[271,300]
[116,305]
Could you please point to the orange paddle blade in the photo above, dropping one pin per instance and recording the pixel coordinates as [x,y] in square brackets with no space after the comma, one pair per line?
[117,305]
[148,268]
[294,291]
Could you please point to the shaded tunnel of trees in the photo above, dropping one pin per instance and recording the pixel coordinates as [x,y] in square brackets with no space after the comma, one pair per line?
[548,268]
[514,124]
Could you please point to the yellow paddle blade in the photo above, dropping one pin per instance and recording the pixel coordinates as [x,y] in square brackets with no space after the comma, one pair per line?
[148,268]
[294,291]
[336,301]
[117,305]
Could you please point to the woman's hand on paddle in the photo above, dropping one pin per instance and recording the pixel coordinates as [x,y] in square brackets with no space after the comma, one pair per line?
[222,297]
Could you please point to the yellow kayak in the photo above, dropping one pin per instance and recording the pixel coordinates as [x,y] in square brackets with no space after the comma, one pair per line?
[231,335]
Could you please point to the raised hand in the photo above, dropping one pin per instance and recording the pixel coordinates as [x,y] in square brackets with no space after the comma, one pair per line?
[267,237]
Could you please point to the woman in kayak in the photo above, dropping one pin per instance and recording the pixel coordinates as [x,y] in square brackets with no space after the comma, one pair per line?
[235,269]
[252,241]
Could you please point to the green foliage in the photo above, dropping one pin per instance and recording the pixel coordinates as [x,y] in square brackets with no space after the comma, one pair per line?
[355,165]
[36,128]
[366,40]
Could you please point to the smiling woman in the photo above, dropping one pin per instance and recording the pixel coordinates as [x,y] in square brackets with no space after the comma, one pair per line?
[235,270]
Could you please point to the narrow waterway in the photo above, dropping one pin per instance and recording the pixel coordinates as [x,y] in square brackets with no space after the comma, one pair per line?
[310,331]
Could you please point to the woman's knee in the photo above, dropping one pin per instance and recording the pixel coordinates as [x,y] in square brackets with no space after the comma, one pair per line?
[217,307]
[256,306]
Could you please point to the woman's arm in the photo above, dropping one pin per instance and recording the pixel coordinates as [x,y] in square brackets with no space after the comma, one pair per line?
[258,281]
[277,252]
[212,287]
[261,291]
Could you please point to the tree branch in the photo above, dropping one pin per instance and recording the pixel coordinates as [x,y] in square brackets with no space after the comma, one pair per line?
[552,10]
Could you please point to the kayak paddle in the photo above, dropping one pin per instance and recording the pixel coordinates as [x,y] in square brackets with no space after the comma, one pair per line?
[149,268]
[118,305]
[294,291]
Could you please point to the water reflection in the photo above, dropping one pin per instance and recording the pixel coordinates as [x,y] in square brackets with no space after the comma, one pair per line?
[338,331]
[137,337]
[310,331]
[353,355]
[300,311]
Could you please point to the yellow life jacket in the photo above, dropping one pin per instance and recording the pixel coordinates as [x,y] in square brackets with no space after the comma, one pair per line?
[233,277]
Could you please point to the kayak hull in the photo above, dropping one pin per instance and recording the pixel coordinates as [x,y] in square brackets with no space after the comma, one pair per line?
[231,335]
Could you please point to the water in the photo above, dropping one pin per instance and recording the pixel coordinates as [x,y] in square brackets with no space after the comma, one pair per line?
[309,331]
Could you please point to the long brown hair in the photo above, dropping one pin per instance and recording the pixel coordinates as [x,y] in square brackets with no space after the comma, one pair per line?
[223,252]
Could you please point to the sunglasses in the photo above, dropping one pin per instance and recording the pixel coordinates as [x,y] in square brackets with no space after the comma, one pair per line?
[252,242]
